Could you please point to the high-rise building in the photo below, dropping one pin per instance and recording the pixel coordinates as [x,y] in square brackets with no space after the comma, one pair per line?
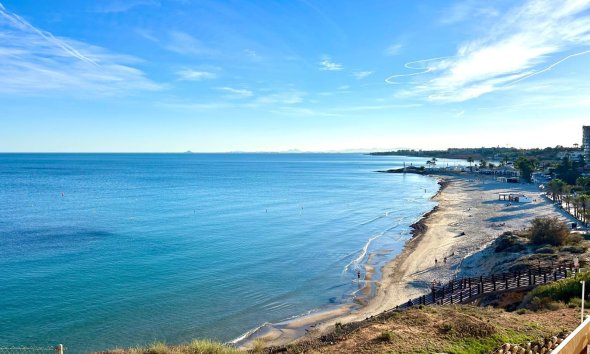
[586,141]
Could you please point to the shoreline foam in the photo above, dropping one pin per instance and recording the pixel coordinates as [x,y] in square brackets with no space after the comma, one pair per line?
[457,228]
[317,319]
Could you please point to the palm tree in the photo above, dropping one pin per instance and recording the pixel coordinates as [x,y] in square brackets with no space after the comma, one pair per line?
[482,163]
[582,182]
[584,198]
[568,199]
[470,160]
[555,186]
[434,159]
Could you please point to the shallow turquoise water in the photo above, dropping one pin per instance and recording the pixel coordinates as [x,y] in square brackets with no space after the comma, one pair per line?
[111,250]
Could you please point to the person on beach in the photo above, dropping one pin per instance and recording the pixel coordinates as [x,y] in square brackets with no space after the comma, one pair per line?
[445,260]
[435,261]
[358,275]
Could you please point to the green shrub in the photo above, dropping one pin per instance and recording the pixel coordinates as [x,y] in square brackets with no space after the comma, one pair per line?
[549,230]
[386,336]
[509,242]
[521,311]
[562,290]
[575,302]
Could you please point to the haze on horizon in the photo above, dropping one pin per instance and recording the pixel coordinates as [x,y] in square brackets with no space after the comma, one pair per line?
[208,76]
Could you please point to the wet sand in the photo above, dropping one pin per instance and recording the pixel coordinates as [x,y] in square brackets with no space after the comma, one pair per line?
[469,216]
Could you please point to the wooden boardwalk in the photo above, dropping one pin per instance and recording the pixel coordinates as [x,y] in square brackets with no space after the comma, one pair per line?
[464,290]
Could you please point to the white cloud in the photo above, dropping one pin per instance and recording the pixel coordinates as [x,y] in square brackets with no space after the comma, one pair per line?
[195,75]
[237,93]
[146,34]
[35,61]
[527,41]
[362,74]
[469,9]
[251,54]
[284,98]
[326,64]
[183,43]
[394,49]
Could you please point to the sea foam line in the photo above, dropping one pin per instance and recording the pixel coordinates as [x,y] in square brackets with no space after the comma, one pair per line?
[249,333]
[355,263]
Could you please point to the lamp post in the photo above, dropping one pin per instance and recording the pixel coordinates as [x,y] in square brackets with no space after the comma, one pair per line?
[583,282]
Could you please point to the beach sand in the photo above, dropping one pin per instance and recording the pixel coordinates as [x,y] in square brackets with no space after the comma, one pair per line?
[468,218]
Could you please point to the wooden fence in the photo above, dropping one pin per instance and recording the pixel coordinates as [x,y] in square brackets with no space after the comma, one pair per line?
[464,290]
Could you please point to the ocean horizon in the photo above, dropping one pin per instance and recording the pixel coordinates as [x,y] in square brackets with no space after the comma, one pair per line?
[118,250]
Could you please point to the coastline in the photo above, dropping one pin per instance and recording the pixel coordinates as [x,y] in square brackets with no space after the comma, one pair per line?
[318,321]
[467,218]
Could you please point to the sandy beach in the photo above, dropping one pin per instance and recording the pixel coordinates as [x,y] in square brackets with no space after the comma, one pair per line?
[468,218]
[451,240]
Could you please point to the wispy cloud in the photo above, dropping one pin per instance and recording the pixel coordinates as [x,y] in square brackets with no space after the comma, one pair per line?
[252,54]
[527,41]
[468,9]
[288,97]
[236,92]
[183,43]
[195,75]
[35,61]
[326,64]
[146,34]
[362,74]
[122,5]
[394,49]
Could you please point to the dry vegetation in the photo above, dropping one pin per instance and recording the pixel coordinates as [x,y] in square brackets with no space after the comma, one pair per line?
[449,329]
[542,315]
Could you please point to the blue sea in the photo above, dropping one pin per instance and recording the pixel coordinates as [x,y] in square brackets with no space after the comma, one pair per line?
[114,250]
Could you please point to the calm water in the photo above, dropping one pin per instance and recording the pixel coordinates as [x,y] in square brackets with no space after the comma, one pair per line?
[100,251]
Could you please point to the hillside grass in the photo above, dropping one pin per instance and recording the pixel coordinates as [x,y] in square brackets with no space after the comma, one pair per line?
[564,289]
[195,347]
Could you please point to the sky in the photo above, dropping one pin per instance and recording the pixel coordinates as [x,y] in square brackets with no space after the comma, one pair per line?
[330,75]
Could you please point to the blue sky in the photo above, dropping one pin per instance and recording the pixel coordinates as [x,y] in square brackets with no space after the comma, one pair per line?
[176,75]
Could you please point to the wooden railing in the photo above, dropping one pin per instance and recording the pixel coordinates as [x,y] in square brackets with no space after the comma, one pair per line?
[464,290]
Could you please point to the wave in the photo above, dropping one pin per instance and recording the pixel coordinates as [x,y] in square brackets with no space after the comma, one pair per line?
[249,333]
[356,262]
[375,219]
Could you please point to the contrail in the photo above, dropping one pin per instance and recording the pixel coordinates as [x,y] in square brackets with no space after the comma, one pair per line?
[20,22]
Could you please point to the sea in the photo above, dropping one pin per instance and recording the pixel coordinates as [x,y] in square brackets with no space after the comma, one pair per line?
[102,251]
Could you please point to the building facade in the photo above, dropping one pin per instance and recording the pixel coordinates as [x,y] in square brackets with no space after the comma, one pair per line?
[586,141]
